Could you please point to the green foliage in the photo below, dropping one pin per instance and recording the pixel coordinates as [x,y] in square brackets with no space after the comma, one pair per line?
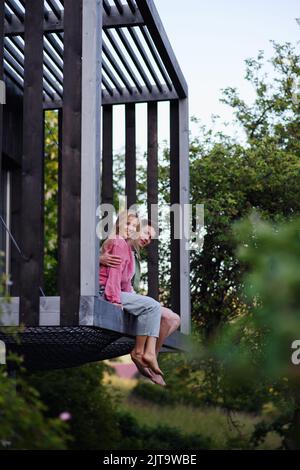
[51,203]
[231,179]
[80,392]
[253,352]
[23,421]
[140,437]
[23,424]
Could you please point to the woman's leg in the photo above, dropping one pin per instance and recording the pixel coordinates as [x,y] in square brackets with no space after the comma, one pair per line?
[148,315]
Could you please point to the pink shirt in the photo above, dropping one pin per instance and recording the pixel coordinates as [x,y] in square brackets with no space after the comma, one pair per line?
[119,278]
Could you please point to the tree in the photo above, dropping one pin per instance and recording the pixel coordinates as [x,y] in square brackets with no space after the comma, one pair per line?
[231,179]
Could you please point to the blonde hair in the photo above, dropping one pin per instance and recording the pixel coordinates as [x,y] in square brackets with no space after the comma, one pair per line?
[121,221]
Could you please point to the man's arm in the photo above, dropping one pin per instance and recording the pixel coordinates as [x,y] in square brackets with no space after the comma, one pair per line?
[109,260]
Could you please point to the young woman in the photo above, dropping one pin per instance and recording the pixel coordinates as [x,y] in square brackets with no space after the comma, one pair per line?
[115,286]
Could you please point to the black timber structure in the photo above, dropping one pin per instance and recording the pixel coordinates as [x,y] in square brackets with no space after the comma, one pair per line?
[80,57]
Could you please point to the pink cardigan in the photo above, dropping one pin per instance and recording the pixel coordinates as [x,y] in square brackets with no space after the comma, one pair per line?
[119,278]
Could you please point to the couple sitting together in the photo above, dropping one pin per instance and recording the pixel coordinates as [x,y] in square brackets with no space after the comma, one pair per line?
[119,276]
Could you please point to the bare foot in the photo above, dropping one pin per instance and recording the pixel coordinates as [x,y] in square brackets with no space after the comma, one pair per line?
[138,360]
[157,379]
[145,371]
[149,374]
[152,363]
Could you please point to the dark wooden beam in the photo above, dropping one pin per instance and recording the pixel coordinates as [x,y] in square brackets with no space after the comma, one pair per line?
[12,138]
[126,98]
[130,155]
[1,75]
[152,199]
[128,18]
[50,25]
[152,20]
[107,156]
[53,24]
[174,199]
[138,97]
[71,166]
[32,164]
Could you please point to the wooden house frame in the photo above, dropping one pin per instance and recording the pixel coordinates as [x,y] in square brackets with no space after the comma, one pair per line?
[78,56]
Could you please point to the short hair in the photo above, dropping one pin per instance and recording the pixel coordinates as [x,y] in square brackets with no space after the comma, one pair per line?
[148,222]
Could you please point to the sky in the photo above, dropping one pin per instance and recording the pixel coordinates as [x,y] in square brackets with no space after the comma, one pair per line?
[211,40]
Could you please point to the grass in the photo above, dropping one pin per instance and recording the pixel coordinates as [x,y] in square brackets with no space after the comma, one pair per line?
[209,422]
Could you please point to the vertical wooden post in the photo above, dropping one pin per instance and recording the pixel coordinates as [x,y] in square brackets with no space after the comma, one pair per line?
[16,210]
[70,192]
[152,199]
[174,199]
[107,156]
[60,124]
[1,73]
[91,144]
[130,157]
[179,177]
[184,189]
[32,164]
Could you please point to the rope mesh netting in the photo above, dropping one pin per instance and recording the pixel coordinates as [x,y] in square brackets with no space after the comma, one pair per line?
[44,348]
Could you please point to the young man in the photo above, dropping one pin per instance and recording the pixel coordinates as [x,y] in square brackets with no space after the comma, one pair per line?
[170,321]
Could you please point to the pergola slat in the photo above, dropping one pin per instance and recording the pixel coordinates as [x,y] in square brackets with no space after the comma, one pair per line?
[107,7]
[112,77]
[119,6]
[47,83]
[131,6]
[161,41]
[54,7]
[117,68]
[8,15]
[16,9]
[14,77]
[134,59]
[156,57]
[17,64]
[55,44]
[32,165]
[107,86]
[58,61]
[143,53]
[123,60]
